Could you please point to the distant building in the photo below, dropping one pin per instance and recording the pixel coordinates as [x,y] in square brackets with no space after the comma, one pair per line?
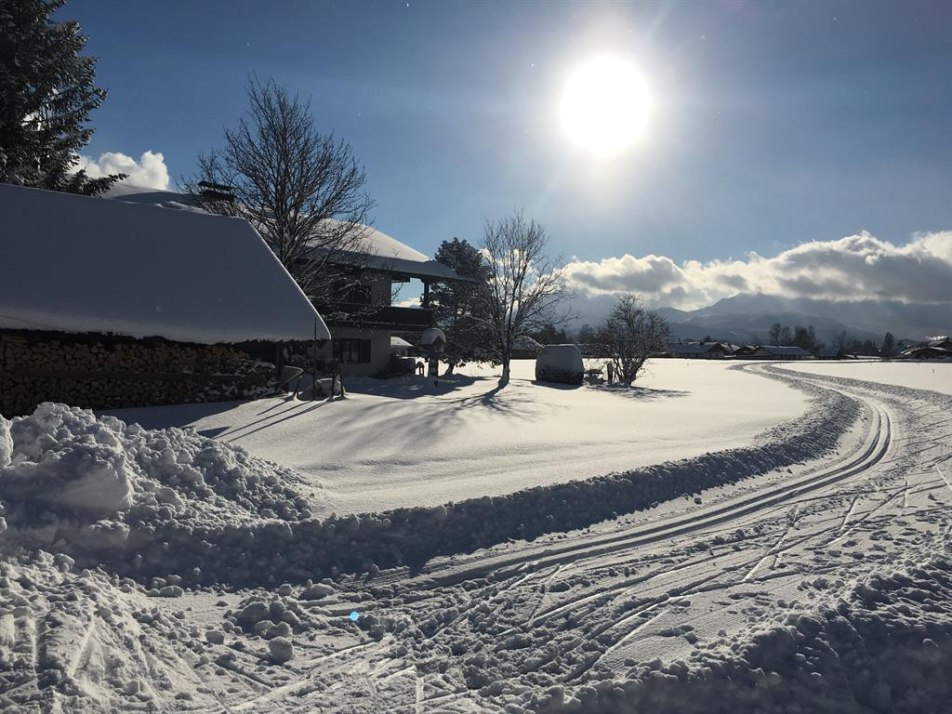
[936,348]
[699,350]
[780,352]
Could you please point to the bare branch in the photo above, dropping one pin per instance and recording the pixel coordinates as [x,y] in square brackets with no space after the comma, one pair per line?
[525,288]
[303,190]
[629,336]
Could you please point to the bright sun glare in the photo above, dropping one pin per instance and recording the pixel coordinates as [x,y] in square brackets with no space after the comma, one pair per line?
[605,106]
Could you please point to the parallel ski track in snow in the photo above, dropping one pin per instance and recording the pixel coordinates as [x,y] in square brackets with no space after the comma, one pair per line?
[874,449]
[543,563]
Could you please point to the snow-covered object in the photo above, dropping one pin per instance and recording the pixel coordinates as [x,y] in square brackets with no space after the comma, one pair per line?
[79,264]
[67,459]
[560,363]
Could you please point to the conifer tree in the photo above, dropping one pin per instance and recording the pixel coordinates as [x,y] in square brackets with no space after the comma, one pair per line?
[456,306]
[47,92]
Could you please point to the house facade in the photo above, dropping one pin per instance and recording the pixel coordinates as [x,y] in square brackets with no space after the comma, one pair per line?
[362,316]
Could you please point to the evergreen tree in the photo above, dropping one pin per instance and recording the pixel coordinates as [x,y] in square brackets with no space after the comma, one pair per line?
[550,335]
[889,346]
[46,96]
[456,305]
[805,337]
[586,335]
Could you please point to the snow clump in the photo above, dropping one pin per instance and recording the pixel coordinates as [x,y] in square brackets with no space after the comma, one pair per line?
[66,459]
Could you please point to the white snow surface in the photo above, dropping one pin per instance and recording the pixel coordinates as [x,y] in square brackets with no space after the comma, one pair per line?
[78,264]
[935,376]
[821,581]
[403,442]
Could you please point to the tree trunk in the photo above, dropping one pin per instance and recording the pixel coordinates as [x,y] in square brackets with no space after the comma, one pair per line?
[505,371]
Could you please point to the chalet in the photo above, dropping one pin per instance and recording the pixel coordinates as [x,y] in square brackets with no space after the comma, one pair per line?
[745,351]
[107,304]
[937,348]
[362,317]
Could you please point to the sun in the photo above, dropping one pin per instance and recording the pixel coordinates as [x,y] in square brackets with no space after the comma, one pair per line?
[606,106]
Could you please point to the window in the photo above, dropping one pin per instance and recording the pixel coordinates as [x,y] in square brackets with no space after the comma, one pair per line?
[352,351]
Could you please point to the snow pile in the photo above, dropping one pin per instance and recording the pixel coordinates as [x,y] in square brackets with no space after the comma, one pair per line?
[58,458]
[884,647]
[85,483]
[561,364]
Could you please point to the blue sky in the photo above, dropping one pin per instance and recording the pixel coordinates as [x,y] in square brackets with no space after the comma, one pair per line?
[775,123]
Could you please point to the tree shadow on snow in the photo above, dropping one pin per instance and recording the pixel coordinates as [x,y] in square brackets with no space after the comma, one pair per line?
[491,400]
[641,393]
[300,408]
[410,387]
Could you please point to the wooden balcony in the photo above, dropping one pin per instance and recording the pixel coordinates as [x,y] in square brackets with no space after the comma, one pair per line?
[376,317]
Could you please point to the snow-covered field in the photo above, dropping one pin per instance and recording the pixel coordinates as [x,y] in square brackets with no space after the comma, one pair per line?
[800,564]
[928,374]
[403,443]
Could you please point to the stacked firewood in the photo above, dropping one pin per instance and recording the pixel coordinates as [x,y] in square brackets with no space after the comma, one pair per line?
[110,375]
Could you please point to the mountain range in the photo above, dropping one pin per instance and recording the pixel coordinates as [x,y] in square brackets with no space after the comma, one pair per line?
[747,318]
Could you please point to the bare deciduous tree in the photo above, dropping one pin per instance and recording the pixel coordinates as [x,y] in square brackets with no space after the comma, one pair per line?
[630,335]
[524,289]
[302,189]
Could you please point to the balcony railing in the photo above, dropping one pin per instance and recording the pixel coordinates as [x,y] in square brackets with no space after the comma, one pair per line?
[376,317]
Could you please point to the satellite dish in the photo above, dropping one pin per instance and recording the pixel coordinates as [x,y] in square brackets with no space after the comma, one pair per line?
[432,337]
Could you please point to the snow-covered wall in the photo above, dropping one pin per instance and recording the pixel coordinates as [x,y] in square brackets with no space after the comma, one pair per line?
[78,264]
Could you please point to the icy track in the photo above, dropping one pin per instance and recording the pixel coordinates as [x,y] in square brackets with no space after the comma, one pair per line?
[808,572]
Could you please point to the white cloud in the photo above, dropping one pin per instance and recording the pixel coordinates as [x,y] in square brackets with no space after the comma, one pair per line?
[149,171]
[857,267]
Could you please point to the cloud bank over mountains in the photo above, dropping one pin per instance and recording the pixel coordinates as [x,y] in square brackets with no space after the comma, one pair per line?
[857,267]
[149,171]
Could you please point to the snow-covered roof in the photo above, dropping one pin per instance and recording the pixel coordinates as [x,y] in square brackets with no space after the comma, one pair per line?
[78,264]
[785,350]
[383,252]
[692,348]
[398,343]
[378,251]
[524,342]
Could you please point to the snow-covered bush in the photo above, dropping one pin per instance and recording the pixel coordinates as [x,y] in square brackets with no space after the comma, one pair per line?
[560,363]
